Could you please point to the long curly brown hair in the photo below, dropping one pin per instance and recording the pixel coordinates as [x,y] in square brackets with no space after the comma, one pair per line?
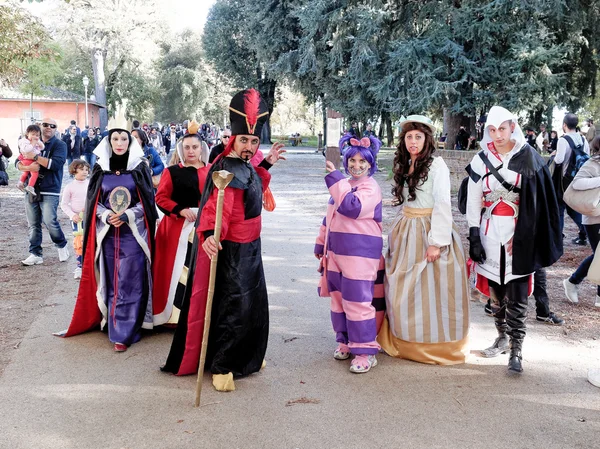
[402,164]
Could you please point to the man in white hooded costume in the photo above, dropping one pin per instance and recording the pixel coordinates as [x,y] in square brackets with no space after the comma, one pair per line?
[513,226]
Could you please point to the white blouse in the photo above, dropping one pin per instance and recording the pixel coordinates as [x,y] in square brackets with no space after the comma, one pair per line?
[435,194]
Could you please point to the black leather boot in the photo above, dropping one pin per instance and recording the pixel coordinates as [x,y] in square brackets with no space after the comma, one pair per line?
[514,362]
[501,344]
[516,315]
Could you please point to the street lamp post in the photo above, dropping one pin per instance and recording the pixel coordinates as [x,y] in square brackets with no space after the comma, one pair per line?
[86,82]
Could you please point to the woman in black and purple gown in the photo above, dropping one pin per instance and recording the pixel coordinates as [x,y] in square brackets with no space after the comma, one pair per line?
[116,283]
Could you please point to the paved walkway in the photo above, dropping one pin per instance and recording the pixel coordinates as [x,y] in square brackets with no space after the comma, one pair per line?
[77,393]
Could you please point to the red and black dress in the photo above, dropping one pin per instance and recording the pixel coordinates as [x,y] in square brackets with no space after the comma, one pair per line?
[180,188]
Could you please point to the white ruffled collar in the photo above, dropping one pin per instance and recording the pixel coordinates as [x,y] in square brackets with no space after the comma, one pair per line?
[104,151]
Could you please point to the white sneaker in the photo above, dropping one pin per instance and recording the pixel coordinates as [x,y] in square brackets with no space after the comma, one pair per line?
[77,273]
[63,253]
[594,376]
[571,291]
[597,303]
[32,260]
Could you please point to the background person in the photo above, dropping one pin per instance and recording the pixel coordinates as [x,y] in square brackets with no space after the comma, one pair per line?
[89,145]
[73,204]
[31,144]
[218,149]
[587,178]
[43,208]
[562,179]
[154,160]
[74,144]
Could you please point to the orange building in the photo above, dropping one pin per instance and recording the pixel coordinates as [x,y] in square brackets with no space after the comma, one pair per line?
[16,111]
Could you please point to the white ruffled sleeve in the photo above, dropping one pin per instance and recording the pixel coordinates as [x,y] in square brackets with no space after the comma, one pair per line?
[441,217]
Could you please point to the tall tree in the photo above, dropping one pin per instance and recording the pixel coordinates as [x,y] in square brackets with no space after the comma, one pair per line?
[229,43]
[182,91]
[40,72]
[114,35]
[22,39]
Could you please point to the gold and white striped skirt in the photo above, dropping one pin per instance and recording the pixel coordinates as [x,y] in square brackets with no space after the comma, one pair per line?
[427,317]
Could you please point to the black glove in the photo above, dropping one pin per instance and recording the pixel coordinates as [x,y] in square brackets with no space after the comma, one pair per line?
[476,251]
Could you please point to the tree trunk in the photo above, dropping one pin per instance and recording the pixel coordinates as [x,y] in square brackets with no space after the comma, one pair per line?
[390,131]
[381,132]
[452,124]
[266,87]
[98,56]
[324,120]
[549,118]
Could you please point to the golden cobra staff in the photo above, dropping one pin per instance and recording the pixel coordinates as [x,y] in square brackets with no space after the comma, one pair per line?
[221,179]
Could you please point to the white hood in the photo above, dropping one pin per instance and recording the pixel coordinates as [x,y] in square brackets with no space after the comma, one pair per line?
[104,152]
[204,153]
[495,118]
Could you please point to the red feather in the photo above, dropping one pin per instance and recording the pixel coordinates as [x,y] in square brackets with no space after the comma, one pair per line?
[252,106]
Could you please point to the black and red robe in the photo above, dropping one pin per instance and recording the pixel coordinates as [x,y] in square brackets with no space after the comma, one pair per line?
[240,314]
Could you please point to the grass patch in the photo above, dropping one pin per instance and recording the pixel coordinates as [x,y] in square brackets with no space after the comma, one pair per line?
[307,141]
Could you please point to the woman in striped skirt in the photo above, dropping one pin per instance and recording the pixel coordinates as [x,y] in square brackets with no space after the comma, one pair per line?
[426,291]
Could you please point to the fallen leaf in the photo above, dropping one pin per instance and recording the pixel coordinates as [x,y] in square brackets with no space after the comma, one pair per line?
[302,400]
[179,421]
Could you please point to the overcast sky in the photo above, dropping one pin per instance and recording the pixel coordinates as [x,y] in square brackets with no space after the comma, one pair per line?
[188,14]
[179,14]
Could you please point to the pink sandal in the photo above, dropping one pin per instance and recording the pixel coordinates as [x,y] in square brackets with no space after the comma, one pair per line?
[363,363]
[342,352]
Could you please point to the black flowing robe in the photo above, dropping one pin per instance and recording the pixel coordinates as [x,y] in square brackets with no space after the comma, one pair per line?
[240,315]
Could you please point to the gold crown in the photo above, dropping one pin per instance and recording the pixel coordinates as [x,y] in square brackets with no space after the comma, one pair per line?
[119,121]
[193,127]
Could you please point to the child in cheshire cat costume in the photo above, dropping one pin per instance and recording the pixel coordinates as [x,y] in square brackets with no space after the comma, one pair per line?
[349,247]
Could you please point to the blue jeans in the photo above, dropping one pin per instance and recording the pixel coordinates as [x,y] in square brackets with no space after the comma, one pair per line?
[43,212]
[90,159]
[576,216]
[593,233]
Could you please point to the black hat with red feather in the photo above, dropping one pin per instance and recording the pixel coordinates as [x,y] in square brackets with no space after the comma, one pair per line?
[248,113]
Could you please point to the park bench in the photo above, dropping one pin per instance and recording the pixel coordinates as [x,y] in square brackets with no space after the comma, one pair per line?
[295,141]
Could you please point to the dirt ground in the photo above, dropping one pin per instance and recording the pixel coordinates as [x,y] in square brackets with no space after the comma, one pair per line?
[24,289]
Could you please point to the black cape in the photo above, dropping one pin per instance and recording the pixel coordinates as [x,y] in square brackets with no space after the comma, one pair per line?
[537,242]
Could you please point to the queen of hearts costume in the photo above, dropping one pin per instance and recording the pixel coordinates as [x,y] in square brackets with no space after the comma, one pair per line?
[180,188]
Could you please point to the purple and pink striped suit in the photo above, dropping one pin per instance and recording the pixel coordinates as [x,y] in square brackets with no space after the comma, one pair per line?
[352,265]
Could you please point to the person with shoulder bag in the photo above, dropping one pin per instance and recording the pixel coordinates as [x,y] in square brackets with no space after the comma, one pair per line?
[572,150]
[587,182]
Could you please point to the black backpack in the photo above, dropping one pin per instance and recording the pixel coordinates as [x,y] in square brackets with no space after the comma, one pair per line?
[576,160]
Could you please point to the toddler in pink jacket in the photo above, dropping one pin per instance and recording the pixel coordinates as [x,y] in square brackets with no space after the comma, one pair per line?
[29,145]
[349,247]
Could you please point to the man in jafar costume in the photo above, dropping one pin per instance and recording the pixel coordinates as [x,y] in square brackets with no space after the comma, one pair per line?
[515,232]
[240,316]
